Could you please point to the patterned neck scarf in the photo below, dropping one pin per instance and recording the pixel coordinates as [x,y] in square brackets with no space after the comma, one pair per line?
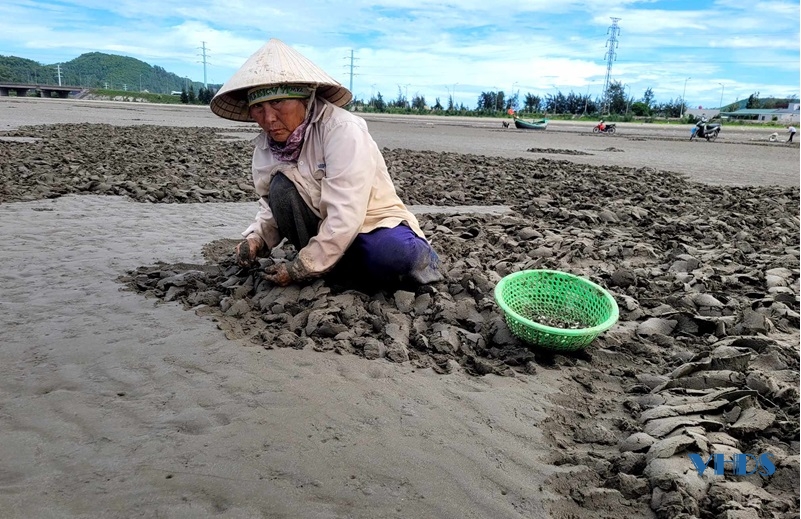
[289,151]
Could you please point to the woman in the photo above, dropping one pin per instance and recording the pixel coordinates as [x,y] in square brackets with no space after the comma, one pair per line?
[323,182]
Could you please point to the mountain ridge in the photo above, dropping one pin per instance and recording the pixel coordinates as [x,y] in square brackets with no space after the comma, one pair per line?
[98,70]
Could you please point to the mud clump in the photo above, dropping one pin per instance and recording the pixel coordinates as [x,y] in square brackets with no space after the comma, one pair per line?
[557,151]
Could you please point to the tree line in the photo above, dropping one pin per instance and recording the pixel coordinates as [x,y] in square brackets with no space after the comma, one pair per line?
[203,97]
[616,102]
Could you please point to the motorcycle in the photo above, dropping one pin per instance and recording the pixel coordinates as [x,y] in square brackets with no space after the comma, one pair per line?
[709,131]
[608,128]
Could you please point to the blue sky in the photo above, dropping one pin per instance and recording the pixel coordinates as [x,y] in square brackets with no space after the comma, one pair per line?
[727,48]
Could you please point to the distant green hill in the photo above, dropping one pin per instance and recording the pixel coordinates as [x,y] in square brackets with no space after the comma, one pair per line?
[97,70]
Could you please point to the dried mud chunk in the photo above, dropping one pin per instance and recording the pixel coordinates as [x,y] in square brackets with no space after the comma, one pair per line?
[706,380]
[623,278]
[670,446]
[629,463]
[665,411]
[594,433]
[286,340]
[444,338]
[373,348]
[632,487]
[404,301]
[752,420]
[637,442]
[656,326]
[662,427]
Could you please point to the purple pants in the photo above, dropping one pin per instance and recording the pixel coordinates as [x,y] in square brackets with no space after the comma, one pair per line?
[382,255]
[392,253]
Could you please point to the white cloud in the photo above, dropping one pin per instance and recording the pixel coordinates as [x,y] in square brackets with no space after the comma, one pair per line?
[532,45]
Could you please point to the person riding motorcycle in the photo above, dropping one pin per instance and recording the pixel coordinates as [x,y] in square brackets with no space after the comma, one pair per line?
[601,125]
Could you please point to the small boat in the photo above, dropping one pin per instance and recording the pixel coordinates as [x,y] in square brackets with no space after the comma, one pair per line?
[540,124]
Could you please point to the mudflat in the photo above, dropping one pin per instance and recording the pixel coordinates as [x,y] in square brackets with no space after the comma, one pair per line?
[143,374]
[742,155]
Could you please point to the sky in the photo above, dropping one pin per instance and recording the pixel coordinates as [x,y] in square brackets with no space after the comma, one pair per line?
[703,51]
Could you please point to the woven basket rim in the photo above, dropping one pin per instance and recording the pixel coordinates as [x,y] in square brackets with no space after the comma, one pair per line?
[565,332]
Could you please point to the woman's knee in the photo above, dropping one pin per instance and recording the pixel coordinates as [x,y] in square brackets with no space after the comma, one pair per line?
[395,252]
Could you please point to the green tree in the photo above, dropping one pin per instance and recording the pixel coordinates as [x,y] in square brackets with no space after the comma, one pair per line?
[640,109]
[532,103]
[419,103]
[21,70]
[574,103]
[616,98]
[489,102]
[648,98]
[556,104]
[184,96]
[672,108]
[205,95]
[400,102]
[513,103]
[500,101]
[378,103]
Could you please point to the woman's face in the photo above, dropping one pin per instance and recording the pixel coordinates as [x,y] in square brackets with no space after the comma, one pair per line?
[279,118]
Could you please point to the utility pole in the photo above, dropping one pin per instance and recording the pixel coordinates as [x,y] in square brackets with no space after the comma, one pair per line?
[683,102]
[205,83]
[58,68]
[351,71]
[610,56]
[627,98]
[586,100]
[351,66]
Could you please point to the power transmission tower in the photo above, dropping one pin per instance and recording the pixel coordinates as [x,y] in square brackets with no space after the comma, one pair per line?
[610,56]
[351,70]
[205,83]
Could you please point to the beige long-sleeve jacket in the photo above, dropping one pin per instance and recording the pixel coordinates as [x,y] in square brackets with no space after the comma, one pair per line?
[342,177]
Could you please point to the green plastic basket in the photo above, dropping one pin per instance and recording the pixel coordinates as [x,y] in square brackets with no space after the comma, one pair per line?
[574,309]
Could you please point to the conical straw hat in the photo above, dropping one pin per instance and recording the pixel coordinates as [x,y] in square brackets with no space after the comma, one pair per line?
[274,64]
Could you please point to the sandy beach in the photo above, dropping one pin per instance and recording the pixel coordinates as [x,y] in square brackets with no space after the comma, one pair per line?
[116,403]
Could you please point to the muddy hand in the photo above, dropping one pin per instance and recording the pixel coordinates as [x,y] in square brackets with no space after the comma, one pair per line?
[246,252]
[278,274]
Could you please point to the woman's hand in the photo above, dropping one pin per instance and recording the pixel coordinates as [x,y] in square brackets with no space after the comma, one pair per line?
[278,274]
[247,250]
